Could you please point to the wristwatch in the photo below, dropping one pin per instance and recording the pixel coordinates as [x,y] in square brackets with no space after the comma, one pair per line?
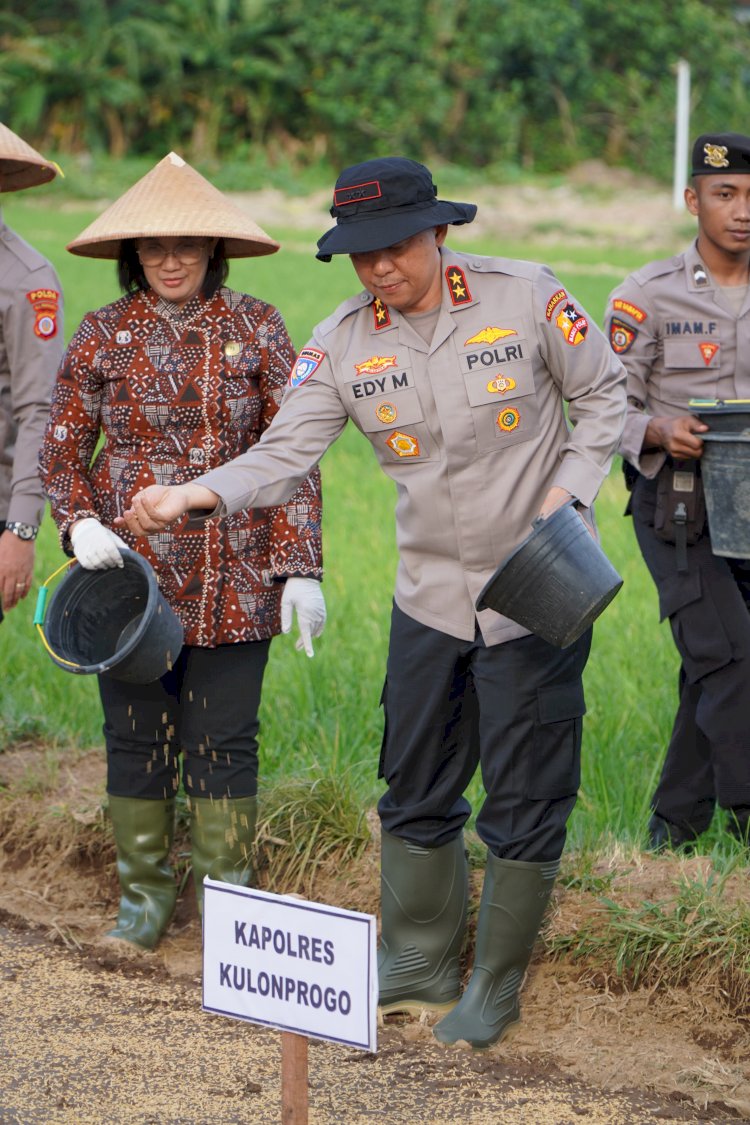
[22,530]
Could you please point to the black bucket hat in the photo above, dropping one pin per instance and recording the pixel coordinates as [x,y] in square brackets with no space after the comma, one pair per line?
[380,202]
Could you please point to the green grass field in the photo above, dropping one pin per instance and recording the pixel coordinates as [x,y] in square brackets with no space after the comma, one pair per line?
[323,713]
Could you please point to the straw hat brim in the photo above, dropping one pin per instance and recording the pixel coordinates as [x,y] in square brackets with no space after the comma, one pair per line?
[173,201]
[21,166]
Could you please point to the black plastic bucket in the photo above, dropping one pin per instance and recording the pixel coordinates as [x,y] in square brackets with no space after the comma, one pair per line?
[115,622]
[556,583]
[725,469]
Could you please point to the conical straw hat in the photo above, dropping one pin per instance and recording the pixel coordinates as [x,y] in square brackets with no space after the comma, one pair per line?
[170,201]
[21,166]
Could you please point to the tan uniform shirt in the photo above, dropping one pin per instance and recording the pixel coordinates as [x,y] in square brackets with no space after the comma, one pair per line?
[679,338]
[31,346]
[471,427]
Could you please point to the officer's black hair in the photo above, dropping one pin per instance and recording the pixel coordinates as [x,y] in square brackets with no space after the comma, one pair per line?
[131,276]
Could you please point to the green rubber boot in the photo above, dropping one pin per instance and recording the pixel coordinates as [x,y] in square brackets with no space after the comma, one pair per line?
[424,896]
[514,898]
[222,832]
[143,834]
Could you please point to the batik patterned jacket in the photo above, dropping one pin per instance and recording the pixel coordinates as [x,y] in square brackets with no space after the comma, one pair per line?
[176,392]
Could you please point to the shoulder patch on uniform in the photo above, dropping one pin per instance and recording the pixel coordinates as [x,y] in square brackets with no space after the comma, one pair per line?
[572,324]
[620,305]
[307,363]
[458,286]
[44,303]
[621,335]
[554,301]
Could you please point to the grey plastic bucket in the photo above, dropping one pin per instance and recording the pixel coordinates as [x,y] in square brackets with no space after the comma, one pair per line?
[556,583]
[115,622]
[725,469]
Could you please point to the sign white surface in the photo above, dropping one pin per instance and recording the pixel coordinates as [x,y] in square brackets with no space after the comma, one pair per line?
[290,963]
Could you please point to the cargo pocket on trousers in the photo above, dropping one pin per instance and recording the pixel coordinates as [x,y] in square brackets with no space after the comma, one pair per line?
[697,625]
[556,754]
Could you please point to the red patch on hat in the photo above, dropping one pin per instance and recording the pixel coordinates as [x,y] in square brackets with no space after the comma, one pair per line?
[357,193]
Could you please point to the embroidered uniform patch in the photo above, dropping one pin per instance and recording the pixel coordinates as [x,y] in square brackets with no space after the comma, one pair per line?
[572,324]
[629,308]
[404,445]
[44,302]
[458,285]
[501,384]
[308,362]
[508,419]
[489,335]
[386,412]
[381,314]
[708,351]
[375,364]
[621,335]
[554,301]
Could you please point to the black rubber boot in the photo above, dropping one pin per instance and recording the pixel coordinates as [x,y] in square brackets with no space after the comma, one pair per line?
[143,834]
[222,832]
[514,897]
[664,836]
[424,896]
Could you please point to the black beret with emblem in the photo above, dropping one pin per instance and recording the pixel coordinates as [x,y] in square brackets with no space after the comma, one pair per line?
[716,153]
[380,202]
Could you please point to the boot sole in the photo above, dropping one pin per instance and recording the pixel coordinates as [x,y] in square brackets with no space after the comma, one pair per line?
[415,1007]
[505,1036]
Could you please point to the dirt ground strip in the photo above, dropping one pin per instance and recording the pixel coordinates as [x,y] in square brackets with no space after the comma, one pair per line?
[90,1036]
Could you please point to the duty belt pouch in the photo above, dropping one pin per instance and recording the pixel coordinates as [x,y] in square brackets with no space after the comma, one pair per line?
[680,515]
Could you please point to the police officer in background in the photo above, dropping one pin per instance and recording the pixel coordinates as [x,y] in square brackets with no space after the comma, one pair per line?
[31,346]
[682,328]
[455,367]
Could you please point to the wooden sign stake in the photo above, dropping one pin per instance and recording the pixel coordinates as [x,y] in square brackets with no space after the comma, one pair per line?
[294,1099]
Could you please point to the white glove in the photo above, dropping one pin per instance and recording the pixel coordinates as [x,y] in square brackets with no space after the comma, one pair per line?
[95,546]
[306,597]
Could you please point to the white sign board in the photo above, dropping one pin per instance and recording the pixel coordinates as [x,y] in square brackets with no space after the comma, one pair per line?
[289,963]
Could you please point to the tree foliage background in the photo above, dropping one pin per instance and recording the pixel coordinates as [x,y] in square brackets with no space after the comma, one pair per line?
[471,82]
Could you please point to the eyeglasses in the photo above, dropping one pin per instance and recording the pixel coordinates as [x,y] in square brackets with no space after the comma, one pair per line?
[189,253]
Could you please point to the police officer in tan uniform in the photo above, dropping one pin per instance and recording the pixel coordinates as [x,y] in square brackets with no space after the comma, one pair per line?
[682,328]
[31,345]
[455,367]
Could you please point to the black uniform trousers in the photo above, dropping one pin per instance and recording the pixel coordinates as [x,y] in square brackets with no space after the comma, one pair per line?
[204,710]
[515,709]
[708,757]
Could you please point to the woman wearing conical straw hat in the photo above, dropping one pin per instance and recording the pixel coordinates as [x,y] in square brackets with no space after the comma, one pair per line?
[31,345]
[181,374]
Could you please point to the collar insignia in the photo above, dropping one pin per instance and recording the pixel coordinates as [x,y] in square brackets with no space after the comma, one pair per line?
[382,316]
[458,286]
